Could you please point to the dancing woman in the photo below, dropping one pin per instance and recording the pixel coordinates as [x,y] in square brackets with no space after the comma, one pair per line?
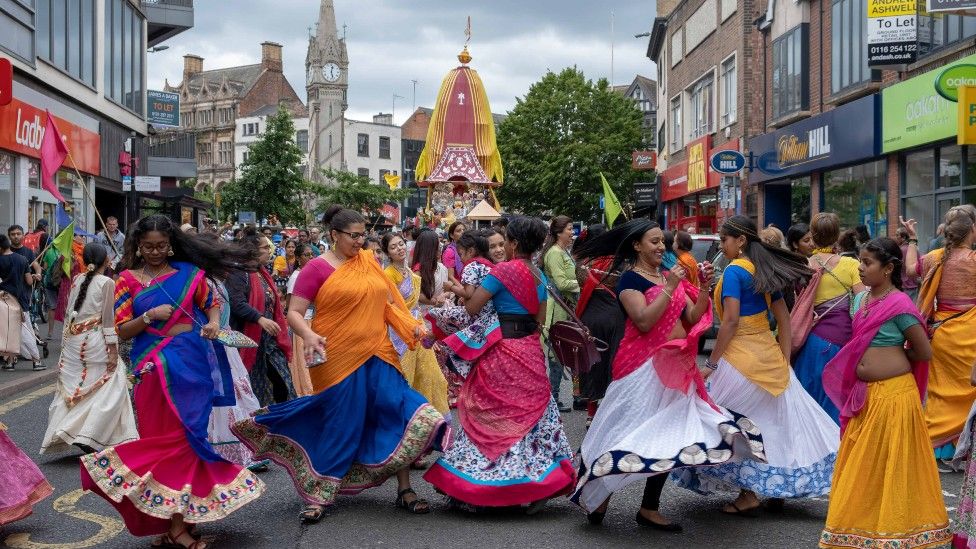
[947,299]
[886,489]
[656,416]
[296,366]
[22,484]
[364,423]
[91,408]
[511,448]
[451,258]
[171,478]
[751,374]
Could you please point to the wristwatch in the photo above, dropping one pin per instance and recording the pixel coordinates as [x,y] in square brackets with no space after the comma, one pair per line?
[146,319]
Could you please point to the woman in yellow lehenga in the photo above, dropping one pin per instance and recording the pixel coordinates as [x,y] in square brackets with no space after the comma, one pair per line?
[947,298]
[419,365]
[886,490]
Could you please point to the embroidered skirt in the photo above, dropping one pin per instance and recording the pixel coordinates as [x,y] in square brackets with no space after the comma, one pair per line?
[223,417]
[349,437]
[537,467]
[886,489]
[160,475]
[21,482]
[643,428]
[800,441]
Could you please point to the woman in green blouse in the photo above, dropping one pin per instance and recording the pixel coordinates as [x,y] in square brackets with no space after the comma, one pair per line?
[561,270]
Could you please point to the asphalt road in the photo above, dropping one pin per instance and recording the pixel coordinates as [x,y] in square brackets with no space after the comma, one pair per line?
[72,519]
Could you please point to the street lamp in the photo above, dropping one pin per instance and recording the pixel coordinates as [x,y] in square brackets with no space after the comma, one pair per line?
[155,49]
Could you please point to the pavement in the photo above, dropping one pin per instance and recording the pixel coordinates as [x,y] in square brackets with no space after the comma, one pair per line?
[24,377]
[72,519]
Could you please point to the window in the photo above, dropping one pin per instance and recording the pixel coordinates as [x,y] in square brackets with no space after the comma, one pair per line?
[204,154]
[330,142]
[205,117]
[936,179]
[124,51]
[225,153]
[251,128]
[941,29]
[187,119]
[848,56]
[858,195]
[225,115]
[791,72]
[247,155]
[384,147]
[677,140]
[729,91]
[65,36]
[363,172]
[382,178]
[362,144]
[301,139]
[700,104]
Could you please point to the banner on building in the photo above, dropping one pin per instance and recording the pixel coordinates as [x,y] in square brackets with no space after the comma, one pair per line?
[966,115]
[892,32]
[965,6]
[163,108]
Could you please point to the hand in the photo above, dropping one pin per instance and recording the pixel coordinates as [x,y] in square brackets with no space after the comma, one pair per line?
[439,300]
[674,277]
[706,274]
[420,332]
[909,226]
[113,358]
[210,330]
[269,326]
[314,344]
[161,312]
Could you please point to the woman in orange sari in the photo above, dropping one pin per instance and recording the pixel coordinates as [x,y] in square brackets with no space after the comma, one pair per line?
[364,423]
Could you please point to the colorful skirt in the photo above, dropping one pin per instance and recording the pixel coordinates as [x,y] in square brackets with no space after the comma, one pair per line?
[21,482]
[800,441]
[349,437]
[643,428]
[160,475]
[950,394]
[886,490]
[808,367]
[423,373]
[223,417]
[537,467]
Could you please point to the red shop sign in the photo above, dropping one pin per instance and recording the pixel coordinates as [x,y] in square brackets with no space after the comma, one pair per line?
[22,130]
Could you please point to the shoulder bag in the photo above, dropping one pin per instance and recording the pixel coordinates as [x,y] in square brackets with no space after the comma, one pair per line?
[571,341]
[10,320]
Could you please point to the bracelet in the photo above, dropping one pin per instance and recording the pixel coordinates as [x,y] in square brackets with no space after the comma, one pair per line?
[710,366]
[913,241]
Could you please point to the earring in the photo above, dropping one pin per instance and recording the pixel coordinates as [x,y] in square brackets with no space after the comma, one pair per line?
[170,253]
[138,253]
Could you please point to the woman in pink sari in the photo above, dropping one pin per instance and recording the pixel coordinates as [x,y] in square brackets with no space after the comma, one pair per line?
[656,416]
[511,448]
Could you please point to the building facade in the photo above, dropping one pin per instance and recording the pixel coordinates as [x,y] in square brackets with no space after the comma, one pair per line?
[374,148]
[212,101]
[327,83]
[643,91]
[251,128]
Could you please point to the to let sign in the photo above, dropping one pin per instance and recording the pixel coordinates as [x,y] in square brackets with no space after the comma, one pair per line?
[892,32]
[644,160]
[6,82]
[163,108]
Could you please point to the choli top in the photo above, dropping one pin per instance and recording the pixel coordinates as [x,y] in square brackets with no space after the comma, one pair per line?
[892,332]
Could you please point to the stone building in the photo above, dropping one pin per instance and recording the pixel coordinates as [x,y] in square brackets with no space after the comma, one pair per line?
[327,84]
[251,128]
[212,101]
[643,91]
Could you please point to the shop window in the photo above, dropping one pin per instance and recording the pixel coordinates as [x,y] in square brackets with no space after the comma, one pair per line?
[700,102]
[34,174]
[800,200]
[729,91]
[922,210]
[791,72]
[848,55]
[920,172]
[950,167]
[858,195]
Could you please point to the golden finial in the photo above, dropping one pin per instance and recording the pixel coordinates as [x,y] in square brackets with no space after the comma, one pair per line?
[464,57]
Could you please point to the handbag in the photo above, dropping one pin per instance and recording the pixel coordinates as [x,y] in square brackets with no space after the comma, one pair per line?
[803,317]
[11,318]
[236,339]
[571,341]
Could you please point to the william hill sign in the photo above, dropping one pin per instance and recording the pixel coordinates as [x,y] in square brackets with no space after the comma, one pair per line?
[838,137]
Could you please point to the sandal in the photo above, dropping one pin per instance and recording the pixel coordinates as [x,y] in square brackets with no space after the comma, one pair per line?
[417,506]
[311,514]
[168,541]
[751,512]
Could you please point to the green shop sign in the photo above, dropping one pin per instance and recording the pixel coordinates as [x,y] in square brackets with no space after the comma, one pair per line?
[917,111]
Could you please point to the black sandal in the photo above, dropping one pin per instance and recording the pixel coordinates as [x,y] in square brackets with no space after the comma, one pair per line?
[751,512]
[411,506]
[311,514]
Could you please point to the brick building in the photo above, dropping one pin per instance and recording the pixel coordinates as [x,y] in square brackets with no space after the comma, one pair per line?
[643,91]
[212,101]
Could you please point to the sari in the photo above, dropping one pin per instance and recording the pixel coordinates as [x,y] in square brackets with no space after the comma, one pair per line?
[511,448]
[172,469]
[22,484]
[364,422]
[268,363]
[886,489]
[656,383]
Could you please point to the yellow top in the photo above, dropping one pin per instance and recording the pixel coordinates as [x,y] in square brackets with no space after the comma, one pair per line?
[830,288]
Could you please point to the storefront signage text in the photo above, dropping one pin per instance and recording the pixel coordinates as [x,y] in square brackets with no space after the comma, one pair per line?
[892,32]
[728,162]
[643,160]
[163,108]
[951,78]
[696,166]
[839,136]
[684,178]
[967,115]
[22,131]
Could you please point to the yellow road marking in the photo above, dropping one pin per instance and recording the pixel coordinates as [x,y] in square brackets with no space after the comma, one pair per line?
[108,527]
[26,399]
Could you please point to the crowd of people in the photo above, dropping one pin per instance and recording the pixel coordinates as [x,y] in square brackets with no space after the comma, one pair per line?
[348,357]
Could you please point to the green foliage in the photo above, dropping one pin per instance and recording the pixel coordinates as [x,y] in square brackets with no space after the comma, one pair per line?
[558,139]
[271,179]
[355,192]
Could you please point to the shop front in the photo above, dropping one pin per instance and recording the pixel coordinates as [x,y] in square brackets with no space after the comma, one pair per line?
[22,199]
[691,190]
[833,157]
[919,128]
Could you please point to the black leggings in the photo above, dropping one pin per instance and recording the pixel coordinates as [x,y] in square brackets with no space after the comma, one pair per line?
[652,492]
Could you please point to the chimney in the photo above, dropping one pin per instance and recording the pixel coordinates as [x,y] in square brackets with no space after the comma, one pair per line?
[192,64]
[383,118]
[271,56]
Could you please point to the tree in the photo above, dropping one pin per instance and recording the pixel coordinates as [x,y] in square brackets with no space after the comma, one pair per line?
[355,192]
[271,179]
[558,139]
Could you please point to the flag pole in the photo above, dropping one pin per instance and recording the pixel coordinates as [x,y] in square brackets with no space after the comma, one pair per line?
[84,188]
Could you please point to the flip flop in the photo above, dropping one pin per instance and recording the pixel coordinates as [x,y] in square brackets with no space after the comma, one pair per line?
[751,512]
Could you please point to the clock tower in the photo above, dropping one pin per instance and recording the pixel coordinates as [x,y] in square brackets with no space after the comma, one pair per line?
[326,81]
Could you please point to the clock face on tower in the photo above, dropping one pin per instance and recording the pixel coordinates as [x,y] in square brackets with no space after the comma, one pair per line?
[331,72]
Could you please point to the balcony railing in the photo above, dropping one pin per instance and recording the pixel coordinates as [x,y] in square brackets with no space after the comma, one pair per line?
[180,3]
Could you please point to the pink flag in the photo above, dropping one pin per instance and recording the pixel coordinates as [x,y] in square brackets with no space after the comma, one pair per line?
[53,153]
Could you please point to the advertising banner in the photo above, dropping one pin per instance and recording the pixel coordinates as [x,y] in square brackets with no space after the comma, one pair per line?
[892,32]
[163,108]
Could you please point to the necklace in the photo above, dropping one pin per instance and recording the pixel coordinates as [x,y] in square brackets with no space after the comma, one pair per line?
[152,279]
[871,303]
[646,273]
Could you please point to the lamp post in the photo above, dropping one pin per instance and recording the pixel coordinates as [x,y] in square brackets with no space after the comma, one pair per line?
[132,196]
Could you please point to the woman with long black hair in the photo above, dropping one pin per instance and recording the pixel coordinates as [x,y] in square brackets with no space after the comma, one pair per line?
[749,372]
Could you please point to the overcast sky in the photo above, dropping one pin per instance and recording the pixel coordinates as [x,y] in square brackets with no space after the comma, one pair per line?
[392,42]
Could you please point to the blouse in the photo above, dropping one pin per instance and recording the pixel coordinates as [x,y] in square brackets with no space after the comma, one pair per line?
[830,287]
[738,283]
[98,302]
[127,287]
[504,301]
[892,332]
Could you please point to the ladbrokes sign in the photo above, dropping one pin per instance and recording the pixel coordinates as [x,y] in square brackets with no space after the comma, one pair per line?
[22,131]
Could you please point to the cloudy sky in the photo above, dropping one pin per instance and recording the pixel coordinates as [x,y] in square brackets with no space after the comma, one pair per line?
[392,42]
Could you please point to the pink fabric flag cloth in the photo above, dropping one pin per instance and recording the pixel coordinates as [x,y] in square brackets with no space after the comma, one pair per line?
[53,153]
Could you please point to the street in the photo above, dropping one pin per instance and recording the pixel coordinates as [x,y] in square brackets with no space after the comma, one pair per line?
[73,519]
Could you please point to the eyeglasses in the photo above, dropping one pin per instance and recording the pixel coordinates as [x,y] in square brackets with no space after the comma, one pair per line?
[354,236]
[162,248]
[307,254]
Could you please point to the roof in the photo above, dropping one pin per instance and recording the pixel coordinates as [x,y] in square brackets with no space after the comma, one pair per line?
[483,212]
[239,79]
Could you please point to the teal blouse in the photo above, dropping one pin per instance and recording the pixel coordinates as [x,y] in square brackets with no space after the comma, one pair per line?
[892,333]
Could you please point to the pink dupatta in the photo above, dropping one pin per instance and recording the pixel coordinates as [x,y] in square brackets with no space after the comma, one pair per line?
[840,380]
[674,360]
[507,392]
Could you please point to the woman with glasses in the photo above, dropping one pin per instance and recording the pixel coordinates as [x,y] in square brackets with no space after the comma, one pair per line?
[299,372]
[364,423]
[256,310]
[164,482]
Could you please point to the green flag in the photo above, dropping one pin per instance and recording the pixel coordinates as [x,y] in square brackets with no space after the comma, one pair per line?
[62,243]
[611,206]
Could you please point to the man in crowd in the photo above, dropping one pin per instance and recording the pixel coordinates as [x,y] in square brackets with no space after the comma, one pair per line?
[112,239]
[319,245]
[16,235]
